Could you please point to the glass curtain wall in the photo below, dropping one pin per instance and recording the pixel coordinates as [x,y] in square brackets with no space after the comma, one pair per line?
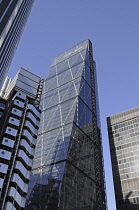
[64,169]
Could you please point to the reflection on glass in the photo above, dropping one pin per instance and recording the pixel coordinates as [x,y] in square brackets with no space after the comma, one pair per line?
[64,169]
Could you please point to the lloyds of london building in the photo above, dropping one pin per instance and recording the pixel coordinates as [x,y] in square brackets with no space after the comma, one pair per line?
[19,122]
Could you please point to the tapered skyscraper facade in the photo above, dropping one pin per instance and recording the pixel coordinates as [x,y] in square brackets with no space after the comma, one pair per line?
[13,16]
[123,131]
[68,165]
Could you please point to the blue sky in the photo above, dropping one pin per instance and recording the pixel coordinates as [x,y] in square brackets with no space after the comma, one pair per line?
[113,26]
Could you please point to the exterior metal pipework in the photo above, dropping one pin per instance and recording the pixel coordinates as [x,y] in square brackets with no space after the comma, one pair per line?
[18,145]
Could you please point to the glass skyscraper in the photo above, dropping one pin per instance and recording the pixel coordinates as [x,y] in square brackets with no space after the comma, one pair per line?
[13,16]
[68,164]
[123,131]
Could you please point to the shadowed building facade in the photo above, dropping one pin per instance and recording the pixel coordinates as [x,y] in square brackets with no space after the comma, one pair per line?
[68,165]
[13,16]
[123,129]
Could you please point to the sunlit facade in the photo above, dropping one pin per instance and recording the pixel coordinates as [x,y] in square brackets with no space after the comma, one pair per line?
[13,16]
[123,131]
[19,122]
[68,165]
